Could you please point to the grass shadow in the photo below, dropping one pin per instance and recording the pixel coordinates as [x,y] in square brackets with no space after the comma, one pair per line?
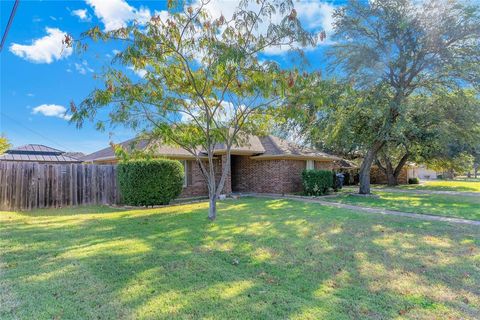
[264,258]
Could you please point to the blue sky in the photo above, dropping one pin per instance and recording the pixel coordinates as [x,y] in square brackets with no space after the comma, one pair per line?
[38,79]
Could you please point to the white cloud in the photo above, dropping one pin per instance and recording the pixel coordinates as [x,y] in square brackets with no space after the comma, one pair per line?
[139,72]
[82,14]
[44,50]
[315,17]
[52,110]
[80,68]
[83,67]
[163,14]
[224,115]
[30,94]
[143,15]
[115,14]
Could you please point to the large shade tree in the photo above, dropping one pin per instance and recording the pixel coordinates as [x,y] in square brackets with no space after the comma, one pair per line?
[407,47]
[428,128]
[336,117]
[203,85]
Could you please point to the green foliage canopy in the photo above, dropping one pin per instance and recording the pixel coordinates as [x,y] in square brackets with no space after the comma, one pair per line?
[401,48]
[4,144]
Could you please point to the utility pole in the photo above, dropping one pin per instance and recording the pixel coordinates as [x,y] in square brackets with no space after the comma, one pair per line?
[9,24]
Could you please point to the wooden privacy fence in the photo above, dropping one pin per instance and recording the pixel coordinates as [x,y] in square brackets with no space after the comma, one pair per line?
[28,185]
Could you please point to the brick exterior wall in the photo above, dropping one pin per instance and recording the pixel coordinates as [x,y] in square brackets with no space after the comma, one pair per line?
[248,175]
[196,184]
[377,176]
[269,176]
[324,165]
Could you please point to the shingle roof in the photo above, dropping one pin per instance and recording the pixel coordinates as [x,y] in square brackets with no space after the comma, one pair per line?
[246,144]
[37,153]
[258,147]
[345,164]
[277,147]
[75,155]
[109,154]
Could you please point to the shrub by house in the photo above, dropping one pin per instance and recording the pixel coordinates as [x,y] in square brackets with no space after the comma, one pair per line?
[413,181]
[150,182]
[316,182]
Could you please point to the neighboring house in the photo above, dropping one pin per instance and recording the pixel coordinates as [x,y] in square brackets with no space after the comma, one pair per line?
[74,155]
[421,172]
[260,164]
[378,176]
[37,153]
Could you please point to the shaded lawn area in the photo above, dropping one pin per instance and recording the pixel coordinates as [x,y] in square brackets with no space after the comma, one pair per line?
[445,185]
[262,259]
[466,207]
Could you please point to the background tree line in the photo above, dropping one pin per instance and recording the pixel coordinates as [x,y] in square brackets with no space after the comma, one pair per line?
[409,76]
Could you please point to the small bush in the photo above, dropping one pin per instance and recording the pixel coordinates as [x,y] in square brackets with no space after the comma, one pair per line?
[316,182]
[413,181]
[150,182]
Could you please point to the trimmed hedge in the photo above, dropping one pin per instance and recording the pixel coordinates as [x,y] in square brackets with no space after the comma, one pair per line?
[413,181]
[150,182]
[316,182]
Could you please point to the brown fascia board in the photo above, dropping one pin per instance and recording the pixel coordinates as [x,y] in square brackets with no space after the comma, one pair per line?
[294,157]
[238,152]
[168,156]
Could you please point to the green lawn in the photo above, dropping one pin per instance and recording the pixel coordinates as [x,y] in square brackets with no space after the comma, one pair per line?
[466,207]
[262,259]
[446,185]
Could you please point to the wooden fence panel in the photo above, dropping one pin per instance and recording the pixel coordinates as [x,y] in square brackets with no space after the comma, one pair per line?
[30,185]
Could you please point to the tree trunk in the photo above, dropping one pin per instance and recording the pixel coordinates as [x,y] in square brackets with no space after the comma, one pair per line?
[364,174]
[391,179]
[212,209]
[451,174]
[387,170]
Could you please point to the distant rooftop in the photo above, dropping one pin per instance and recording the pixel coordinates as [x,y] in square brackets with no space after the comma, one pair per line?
[34,148]
[38,153]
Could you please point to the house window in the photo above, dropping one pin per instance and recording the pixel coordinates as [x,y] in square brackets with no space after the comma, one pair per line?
[185,173]
[310,165]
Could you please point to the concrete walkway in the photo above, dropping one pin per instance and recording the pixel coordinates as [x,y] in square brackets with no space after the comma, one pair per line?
[440,192]
[427,217]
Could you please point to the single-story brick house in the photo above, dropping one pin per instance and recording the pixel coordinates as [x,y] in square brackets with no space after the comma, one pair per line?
[262,164]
